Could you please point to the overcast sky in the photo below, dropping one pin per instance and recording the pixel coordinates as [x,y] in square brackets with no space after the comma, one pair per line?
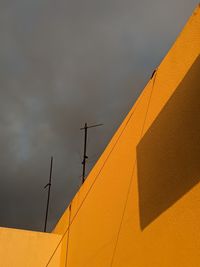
[64,63]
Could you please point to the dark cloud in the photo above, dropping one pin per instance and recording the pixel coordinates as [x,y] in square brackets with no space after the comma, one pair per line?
[63,63]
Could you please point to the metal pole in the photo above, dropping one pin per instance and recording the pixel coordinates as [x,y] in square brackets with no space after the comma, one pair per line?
[49,191]
[84,153]
[68,234]
[85,157]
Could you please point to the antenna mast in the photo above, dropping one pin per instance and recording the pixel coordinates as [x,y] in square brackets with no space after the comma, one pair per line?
[85,157]
[49,192]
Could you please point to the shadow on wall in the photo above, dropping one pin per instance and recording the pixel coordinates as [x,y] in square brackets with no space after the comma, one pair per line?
[168,156]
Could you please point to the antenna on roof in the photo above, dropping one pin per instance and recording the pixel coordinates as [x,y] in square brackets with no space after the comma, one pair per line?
[49,191]
[85,157]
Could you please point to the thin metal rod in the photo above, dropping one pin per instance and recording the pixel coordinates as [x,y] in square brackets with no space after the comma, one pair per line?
[92,126]
[68,235]
[85,157]
[49,192]
[84,152]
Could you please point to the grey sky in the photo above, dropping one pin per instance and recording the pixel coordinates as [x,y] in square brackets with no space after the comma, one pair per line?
[63,63]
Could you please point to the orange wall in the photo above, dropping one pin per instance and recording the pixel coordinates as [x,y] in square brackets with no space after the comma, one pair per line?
[140,205]
[19,248]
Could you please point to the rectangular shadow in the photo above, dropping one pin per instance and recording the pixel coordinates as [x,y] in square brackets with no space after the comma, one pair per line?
[168,156]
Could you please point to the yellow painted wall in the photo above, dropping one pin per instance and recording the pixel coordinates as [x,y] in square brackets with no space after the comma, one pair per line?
[140,205]
[19,248]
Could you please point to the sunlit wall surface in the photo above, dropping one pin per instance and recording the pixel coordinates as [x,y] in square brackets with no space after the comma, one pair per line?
[140,205]
[19,248]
